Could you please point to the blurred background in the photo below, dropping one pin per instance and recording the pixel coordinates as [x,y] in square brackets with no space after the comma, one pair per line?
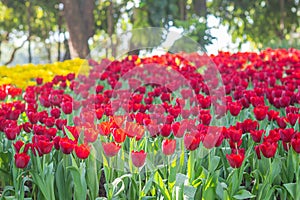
[45,31]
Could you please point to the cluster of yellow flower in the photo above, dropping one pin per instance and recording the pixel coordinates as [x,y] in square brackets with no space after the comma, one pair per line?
[24,75]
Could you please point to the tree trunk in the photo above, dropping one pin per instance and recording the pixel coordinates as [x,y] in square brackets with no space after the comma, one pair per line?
[110,27]
[182,9]
[80,23]
[29,32]
[282,16]
[0,50]
[15,51]
[133,49]
[59,23]
[48,49]
[200,8]
[67,55]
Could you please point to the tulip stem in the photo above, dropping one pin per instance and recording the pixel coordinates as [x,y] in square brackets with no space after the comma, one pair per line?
[270,172]
[140,184]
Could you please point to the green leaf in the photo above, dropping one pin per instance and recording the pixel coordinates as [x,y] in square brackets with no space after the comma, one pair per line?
[161,185]
[63,184]
[69,134]
[148,185]
[220,190]
[189,192]
[180,179]
[291,188]
[191,164]
[37,179]
[78,174]
[92,177]
[148,198]
[214,162]
[7,189]
[116,182]
[243,194]
[276,168]
[172,174]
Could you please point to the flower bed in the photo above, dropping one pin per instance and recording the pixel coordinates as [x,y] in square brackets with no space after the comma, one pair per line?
[25,75]
[170,126]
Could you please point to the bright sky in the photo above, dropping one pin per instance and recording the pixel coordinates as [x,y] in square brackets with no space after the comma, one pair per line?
[223,39]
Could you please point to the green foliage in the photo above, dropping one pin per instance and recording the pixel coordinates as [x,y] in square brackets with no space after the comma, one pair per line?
[258,21]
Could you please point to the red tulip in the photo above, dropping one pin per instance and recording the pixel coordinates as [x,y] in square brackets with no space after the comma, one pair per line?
[249,125]
[105,128]
[70,76]
[44,146]
[165,130]
[49,122]
[119,135]
[60,123]
[12,132]
[234,134]
[99,89]
[153,129]
[287,135]
[66,145]
[185,114]
[260,112]
[33,117]
[39,81]
[286,145]
[175,128]
[272,115]
[205,118]
[56,140]
[55,112]
[273,136]
[205,102]
[214,137]
[39,129]
[21,160]
[256,135]
[234,108]
[257,151]
[268,149]
[168,146]
[82,151]
[99,113]
[138,158]
[110,149]
[169,119]
[74,131]
[257,101]
[67,107]
[43,115]
[296,143]
[134,130]
[13,114]
[281,122]
[235,160]
[2,95]
[27,127]
[191,141]
[90,135]
[284,101]
[234,145]
[292,118]
[44,100]
[18,145]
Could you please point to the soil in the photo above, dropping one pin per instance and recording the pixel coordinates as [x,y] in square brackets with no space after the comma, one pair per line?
[102,192]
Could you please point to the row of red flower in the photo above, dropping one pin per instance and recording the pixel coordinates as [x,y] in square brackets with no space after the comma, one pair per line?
[262,83]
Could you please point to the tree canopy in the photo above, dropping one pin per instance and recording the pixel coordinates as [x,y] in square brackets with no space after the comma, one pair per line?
[68,27]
